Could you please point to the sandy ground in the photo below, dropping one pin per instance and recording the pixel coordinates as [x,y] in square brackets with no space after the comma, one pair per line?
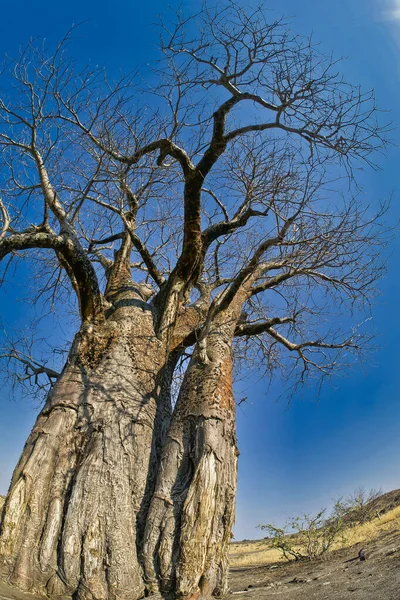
[377,578]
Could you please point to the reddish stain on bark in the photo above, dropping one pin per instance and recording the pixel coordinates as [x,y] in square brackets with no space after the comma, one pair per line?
[224,386]
[192,597]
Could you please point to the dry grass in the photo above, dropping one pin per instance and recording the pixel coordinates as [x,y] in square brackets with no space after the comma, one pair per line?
[369,531]
[259,552]
[256,553]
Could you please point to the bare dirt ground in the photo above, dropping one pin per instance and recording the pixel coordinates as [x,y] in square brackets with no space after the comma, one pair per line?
[377,578]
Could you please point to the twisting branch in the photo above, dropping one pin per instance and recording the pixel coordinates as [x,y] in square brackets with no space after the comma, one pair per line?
[224,228]
[129,220]
[25,361]
[309,344]
[32,368]
[254,265]
[147,259]
[165,147]
[90,299]
[106,240]
[217,201]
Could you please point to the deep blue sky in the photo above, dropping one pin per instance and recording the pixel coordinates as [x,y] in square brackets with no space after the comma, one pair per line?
[292,459]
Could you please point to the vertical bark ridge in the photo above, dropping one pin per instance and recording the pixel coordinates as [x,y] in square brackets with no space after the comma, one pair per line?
[192,511]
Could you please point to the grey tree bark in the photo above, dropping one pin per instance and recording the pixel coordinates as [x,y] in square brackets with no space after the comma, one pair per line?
[76,507]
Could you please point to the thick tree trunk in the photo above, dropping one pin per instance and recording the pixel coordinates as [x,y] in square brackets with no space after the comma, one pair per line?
[86,515]
[192,512]
[75,511]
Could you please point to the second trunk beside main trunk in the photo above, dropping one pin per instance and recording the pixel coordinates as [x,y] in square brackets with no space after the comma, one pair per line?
[190,519]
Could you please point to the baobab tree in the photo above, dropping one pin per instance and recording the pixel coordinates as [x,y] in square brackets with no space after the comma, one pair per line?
[205,217]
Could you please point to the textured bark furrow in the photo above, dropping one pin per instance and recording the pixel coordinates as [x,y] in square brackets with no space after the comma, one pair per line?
[40,479]
[207,520]
[192,511]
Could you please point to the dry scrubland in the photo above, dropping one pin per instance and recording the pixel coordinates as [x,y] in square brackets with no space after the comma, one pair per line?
[258,571]
[257,553]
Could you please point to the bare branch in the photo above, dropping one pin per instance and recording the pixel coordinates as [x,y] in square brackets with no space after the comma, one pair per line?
[6,220]
[89,295]
[234,170]
[249,329]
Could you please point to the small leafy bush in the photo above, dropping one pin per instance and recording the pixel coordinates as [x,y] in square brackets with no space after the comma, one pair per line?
[309,536]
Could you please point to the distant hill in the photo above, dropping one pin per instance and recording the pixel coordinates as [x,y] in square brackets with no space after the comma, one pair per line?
[378,507]
[386,502]
[378,517]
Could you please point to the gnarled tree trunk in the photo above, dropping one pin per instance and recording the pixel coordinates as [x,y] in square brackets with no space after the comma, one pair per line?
[87,516]
[75,511]
[191,515]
